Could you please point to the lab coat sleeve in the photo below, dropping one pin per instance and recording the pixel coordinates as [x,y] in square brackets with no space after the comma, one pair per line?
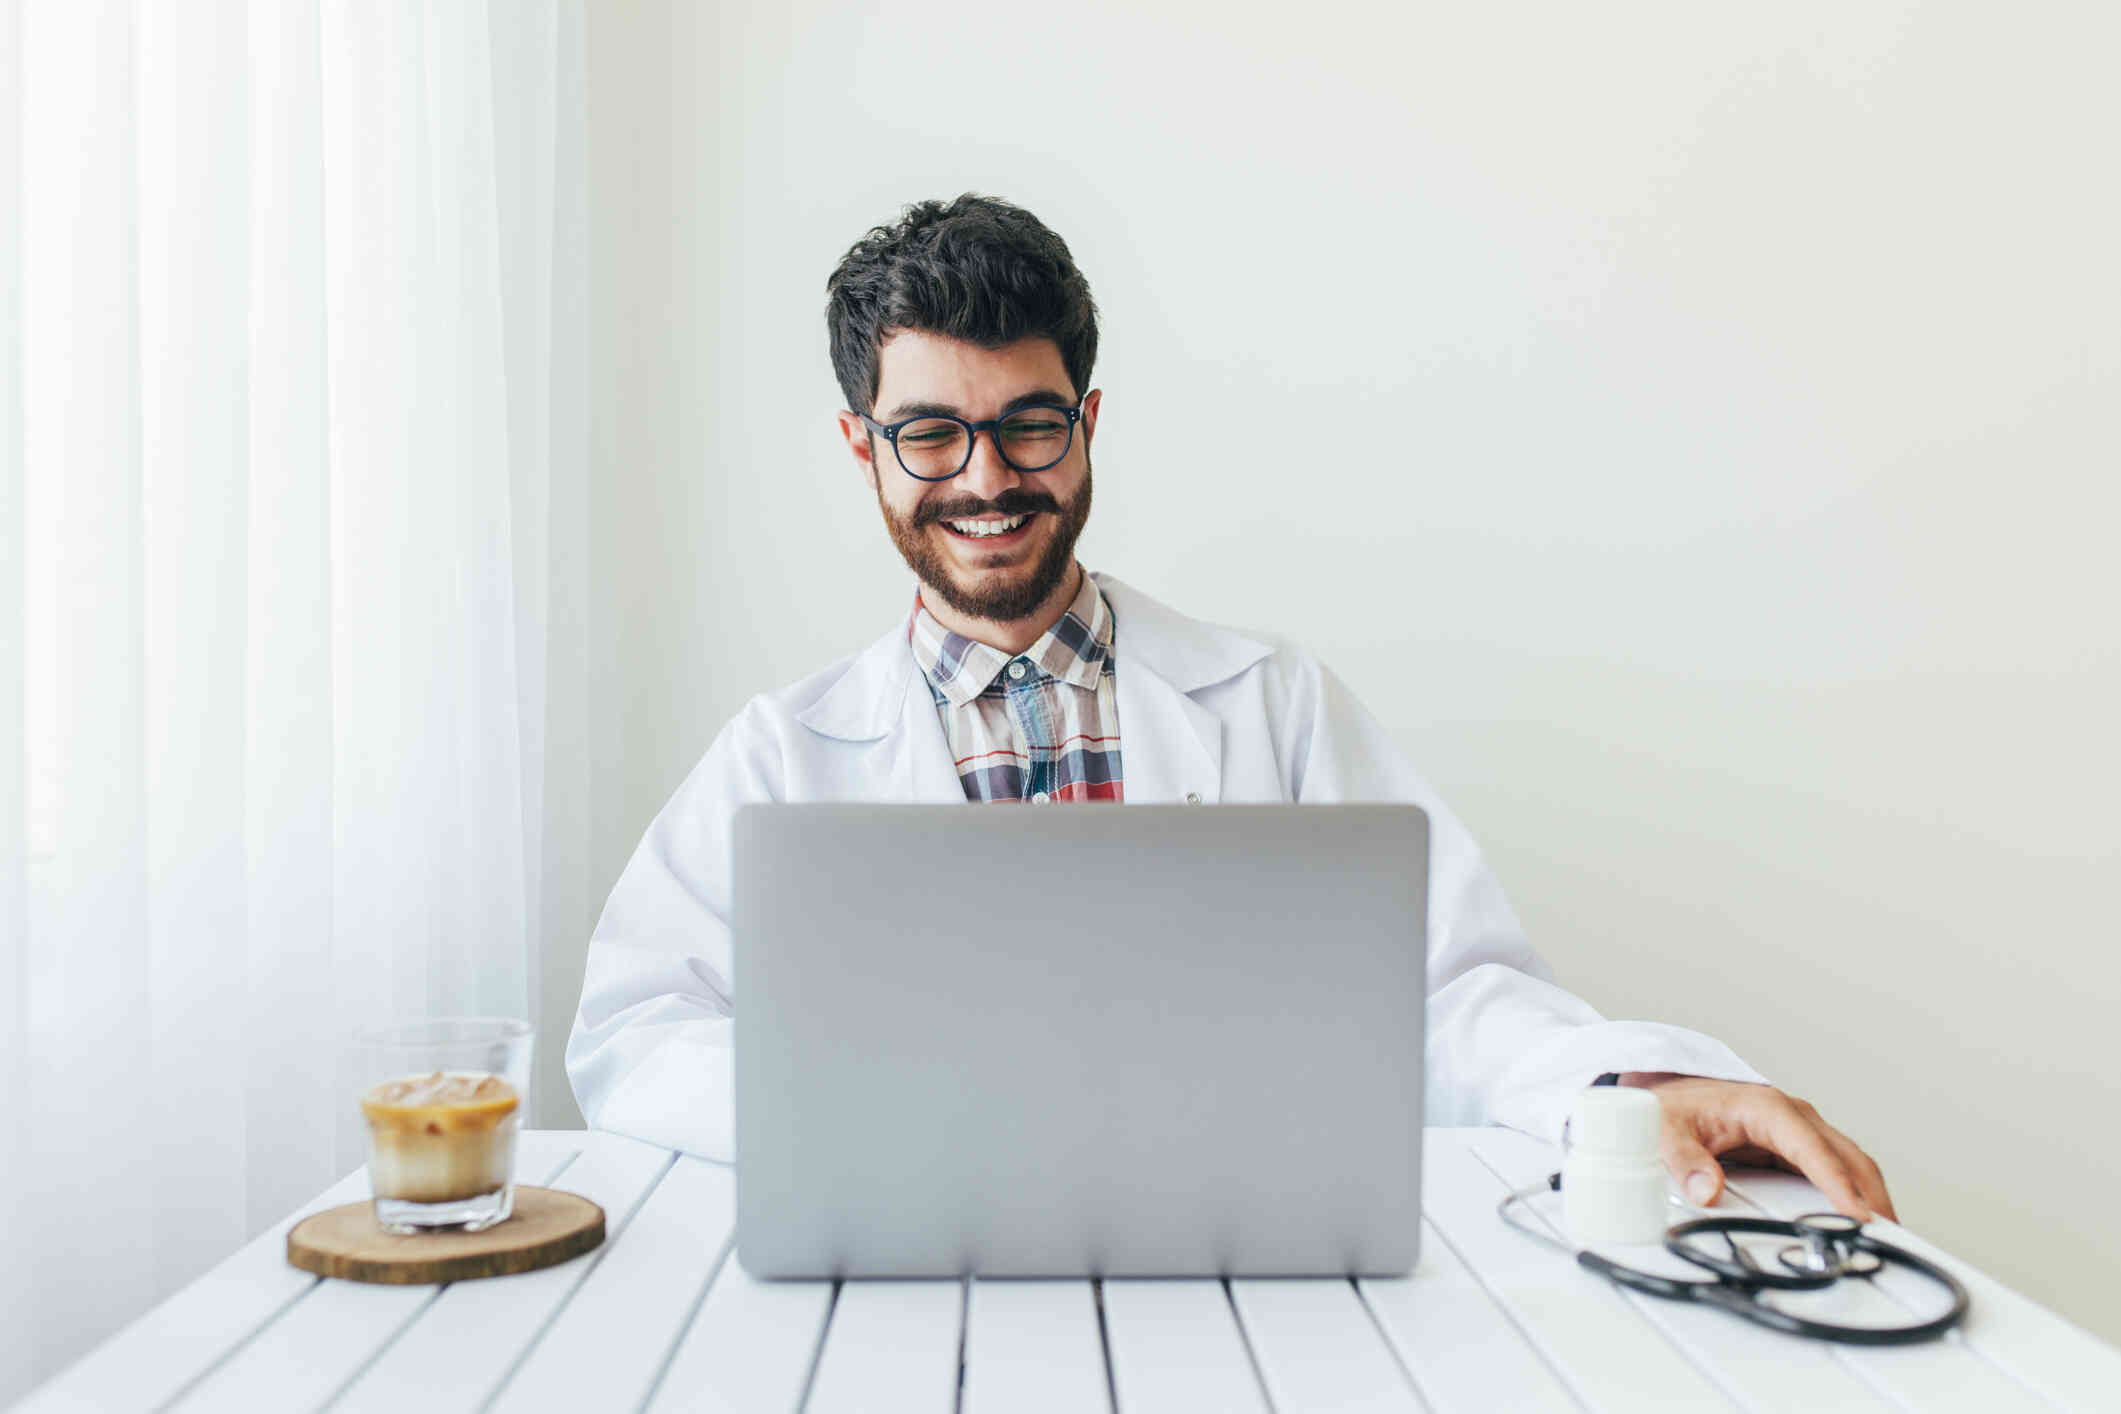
[650,1051]
[1506,1044]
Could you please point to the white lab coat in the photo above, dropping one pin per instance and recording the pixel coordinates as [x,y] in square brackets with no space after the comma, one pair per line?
[1203,712]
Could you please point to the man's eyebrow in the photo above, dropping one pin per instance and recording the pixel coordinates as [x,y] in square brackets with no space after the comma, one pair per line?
[1037,397]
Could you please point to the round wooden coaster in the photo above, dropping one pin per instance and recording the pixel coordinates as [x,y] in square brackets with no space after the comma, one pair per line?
[547,1227]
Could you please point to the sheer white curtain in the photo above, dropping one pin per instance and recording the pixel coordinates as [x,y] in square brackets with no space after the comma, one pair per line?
[292,474]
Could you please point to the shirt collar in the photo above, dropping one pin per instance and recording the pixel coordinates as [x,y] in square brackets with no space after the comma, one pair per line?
[865,697]
[1073,650]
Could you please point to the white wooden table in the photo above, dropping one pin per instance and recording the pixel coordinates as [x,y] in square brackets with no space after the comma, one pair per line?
[662,1317]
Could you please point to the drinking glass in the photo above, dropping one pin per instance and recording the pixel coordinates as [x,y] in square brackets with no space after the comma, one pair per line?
[443,1100]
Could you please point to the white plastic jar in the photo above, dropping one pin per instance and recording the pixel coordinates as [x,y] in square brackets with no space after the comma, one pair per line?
[1612,1177]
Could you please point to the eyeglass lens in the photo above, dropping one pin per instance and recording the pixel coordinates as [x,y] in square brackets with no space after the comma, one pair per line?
[1030,440]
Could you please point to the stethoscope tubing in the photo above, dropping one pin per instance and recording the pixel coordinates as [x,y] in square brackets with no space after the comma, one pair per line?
[1736,1289]
[1740,1299]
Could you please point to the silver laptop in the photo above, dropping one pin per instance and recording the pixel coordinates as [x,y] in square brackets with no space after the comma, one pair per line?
[1079,1041]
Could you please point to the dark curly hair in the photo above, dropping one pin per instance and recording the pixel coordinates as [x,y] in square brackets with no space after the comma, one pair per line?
[977,269]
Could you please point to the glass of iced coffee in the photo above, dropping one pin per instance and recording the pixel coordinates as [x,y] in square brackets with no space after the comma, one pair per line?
[443,1100]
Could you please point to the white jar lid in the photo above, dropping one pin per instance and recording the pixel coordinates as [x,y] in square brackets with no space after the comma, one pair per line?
[1615,1121]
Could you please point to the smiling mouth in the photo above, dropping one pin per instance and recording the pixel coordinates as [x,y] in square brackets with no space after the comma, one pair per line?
[990,530]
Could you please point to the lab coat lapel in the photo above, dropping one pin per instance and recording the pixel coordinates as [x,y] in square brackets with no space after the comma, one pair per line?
[1171,747]
[882,703]
[924,771]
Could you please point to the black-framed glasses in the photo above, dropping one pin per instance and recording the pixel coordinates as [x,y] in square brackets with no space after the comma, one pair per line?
[937,448]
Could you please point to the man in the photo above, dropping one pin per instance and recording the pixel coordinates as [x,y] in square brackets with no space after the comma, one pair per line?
[963,339]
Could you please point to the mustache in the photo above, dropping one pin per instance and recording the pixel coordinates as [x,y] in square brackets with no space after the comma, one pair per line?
[1014,502]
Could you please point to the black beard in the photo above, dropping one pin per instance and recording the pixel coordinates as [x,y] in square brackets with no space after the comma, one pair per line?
[1010,600]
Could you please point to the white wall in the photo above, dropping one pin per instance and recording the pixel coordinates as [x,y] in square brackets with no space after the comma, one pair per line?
[1694,429]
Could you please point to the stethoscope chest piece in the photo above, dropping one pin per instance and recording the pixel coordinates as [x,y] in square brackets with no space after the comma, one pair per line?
[1828,1247]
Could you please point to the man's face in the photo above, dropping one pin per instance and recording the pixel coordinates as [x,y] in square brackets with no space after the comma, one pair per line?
[1001,577]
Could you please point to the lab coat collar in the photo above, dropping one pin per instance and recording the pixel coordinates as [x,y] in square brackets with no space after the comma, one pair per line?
[1183,652]
[865,703]
[1172,746]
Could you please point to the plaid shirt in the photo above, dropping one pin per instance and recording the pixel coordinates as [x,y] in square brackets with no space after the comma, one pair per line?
[1040,726]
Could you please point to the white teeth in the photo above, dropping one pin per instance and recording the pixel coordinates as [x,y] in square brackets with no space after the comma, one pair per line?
[985,527]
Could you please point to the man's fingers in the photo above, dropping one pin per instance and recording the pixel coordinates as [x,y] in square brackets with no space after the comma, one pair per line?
[1691,1165]
[1793,1130]
[1870,1181]
[1757,1124]
[1753,1156]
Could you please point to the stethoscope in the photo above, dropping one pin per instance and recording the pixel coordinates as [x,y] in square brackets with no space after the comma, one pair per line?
[1828,1247]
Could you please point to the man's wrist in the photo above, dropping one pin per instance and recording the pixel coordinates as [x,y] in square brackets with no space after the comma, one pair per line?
[1647,1079]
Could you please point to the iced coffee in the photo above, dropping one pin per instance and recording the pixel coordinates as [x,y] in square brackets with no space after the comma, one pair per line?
[440,1138]
[442,1109]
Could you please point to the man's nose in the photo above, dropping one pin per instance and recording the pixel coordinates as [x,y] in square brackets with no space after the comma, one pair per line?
[987,475]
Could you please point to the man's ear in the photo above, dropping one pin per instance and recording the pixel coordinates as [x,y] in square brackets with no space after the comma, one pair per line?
[1090,406]
[860,444]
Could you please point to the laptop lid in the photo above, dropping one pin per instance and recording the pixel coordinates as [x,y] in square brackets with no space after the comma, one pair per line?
[1145,1040]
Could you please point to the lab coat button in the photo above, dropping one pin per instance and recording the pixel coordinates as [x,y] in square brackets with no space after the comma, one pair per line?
[1192,797]
[1016,669]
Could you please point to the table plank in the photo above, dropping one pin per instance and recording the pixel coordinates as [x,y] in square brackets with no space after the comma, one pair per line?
[2004,1330]
[475,1332]
[890,1345]
[1465,1355]
[1318,1348]
[170,1347]
[1176,1345]
[180,1340]
[320,1339]
[610,1342]
[1605,1352]
[1034,1347]
[751,1347]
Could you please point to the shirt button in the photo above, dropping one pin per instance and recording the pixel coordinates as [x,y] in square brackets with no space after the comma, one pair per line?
[1016,669]
[1040,798]
[1192,797]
